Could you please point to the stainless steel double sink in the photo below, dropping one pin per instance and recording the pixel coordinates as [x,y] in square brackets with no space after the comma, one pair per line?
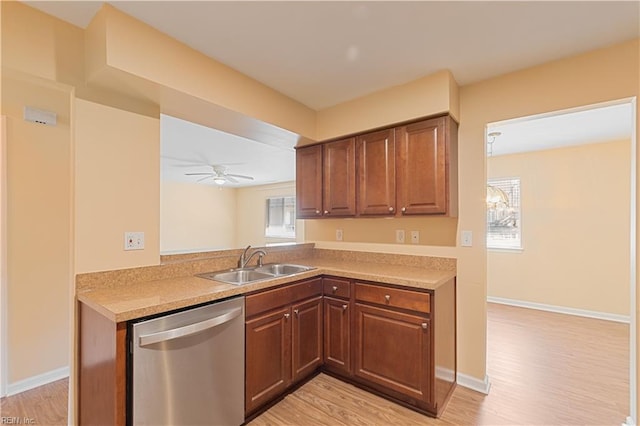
[240,276]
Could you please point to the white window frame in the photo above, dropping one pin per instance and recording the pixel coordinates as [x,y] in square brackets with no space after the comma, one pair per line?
[284,234]
[505,245]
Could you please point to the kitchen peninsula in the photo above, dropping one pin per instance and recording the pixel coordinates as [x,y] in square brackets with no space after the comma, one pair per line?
[351,317]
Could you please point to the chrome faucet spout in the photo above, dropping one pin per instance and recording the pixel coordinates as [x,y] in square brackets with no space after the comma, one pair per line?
[244,260]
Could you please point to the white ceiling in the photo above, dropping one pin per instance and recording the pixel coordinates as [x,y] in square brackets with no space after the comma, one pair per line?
[596,125]
[322,53]
[191,148]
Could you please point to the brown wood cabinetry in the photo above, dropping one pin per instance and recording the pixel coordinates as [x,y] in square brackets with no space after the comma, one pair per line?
[426,160]
[337,325]
[402,348]
[283,335]
[102,369]
[307,337]
[325,180]
[376,168]
[392,349]
[268,363]
[409,169]
[339,178]
[309,182]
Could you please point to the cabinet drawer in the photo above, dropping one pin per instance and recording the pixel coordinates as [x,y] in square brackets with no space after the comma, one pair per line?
[394,297]
[336,287]
[271,299]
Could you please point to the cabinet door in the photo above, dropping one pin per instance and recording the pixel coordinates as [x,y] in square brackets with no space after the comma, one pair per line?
[392,350]
[337,335]
[268,357]
[422,167]
[307,337]
[309,182]
[339,178]
[376,173]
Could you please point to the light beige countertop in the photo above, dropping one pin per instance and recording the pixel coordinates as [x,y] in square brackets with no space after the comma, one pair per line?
[143,298]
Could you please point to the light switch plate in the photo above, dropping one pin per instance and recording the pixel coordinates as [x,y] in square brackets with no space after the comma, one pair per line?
[415,237]
[467,239]
[134,240]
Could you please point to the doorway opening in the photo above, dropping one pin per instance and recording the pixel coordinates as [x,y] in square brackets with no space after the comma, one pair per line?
[574,219]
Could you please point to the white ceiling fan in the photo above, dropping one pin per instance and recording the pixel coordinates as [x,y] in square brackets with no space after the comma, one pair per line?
[219,175]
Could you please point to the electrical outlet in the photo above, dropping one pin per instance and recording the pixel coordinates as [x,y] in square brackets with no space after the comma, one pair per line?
[338,234]
[467,239]
[415,237]
[134,240]
[400,236]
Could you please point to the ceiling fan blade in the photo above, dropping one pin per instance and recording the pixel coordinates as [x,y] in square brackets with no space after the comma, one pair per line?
[240,176]
[199,174]
[204,178]
[230,179]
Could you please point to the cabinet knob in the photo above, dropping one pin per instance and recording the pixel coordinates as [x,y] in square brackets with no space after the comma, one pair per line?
[287,316]
[425,325]
[317,211]
[295,311]
[344,307]
[390,209]
[404,209]
[334,288]
[387,297]
[326,212]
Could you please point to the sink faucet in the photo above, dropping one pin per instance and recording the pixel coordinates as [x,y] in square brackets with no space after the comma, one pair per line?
[244,260]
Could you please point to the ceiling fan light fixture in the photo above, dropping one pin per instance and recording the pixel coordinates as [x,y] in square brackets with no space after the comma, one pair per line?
[219,180]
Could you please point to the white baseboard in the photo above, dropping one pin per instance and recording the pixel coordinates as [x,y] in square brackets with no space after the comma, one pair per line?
[560,309]
[473,383]
[39,380]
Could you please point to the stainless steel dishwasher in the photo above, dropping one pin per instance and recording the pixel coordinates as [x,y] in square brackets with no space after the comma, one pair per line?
[188,367]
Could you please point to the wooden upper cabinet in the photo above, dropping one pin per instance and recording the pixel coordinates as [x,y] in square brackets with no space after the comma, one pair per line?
[407,170]
[426,160]
[309,182]
[339,195]
[376,170]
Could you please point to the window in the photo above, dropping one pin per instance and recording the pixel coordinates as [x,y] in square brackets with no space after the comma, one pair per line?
[281,217]
[503,214]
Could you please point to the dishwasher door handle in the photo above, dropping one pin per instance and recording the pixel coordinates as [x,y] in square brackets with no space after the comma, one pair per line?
[187,330]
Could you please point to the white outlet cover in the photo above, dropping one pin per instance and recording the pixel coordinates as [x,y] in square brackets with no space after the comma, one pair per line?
[467,239]
[134,240]
[339,235]
[400,236]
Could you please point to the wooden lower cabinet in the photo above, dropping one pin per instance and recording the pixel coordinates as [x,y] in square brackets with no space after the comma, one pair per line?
[283,340]
[268,360]
[337,335]
[393,350]
[306,337]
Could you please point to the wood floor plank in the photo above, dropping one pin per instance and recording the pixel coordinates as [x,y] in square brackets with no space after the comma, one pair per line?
[545,369]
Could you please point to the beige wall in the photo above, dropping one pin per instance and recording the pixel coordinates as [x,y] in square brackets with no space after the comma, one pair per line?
[434,231]
[251,212]
[197,217]
[38,236]
[597,76]
[117,187]
[575,228]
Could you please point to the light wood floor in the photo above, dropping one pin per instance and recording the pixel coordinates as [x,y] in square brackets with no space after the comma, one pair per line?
[545,369]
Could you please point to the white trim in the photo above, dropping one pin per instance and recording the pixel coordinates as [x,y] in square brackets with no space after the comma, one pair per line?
[633,344]
[474,383]
[39,380]
[560,309]
[629,422]
[4,316]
